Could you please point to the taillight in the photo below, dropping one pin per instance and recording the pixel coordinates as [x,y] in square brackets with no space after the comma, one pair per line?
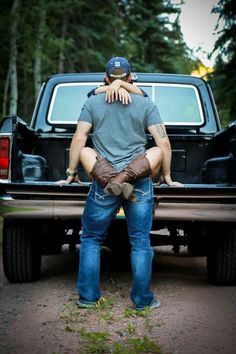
[4,157]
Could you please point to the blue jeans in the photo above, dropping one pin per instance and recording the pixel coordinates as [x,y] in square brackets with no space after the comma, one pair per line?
[99,211]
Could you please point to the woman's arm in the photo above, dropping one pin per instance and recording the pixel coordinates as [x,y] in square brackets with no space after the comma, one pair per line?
[119,90]
[116,84]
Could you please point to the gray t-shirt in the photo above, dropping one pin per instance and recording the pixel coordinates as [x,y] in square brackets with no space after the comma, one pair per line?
[118,130]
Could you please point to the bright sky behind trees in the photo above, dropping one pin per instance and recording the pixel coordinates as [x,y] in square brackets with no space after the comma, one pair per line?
[198,27]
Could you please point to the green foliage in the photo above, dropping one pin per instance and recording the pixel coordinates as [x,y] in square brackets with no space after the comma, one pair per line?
[94,336]
[131,329]
[95,342]
[223,81]
[98,342]
[122,328]
[71,313]
[144,345]
[137,313]
[154,43]
[80,36]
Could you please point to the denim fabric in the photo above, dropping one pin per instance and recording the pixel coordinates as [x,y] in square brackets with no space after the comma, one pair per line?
[99,211]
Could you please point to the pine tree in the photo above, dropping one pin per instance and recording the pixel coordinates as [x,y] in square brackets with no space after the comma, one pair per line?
[155,43]
[80,36]
[224,79]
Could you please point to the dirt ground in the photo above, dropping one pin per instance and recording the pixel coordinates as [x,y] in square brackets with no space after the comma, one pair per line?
[195,317]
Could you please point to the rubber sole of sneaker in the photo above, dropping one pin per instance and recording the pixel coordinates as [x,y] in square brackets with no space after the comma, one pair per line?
[122,188]
[116,188]
[154,305]
[128,190]
[84,305]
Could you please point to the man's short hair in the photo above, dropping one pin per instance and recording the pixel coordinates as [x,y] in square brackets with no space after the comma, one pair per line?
[118,68]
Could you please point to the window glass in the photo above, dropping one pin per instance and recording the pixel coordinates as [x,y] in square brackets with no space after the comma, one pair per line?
[67,102]
[147,89]
[178,104]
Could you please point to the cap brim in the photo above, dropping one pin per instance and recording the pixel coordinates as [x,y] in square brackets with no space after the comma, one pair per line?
[119,76]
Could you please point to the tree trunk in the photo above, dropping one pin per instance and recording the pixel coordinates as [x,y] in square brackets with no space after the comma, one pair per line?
[13,60]
[38,50]
[5,93]
[62,51]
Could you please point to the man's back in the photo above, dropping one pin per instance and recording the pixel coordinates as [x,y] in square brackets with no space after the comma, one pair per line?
[118,129]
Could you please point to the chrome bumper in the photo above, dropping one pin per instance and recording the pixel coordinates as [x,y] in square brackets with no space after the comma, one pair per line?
[204,212]
[41,209]
[71,209]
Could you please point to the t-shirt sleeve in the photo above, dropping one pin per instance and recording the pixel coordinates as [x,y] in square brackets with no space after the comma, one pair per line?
[86,112]
[153,116]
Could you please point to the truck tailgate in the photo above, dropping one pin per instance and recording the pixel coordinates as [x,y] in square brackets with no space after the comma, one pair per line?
[192,202]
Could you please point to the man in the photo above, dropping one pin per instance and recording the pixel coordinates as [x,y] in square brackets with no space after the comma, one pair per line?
[118,89]
[121,169]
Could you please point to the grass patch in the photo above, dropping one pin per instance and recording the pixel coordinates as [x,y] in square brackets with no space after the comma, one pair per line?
[94,342]
[102,310]
[104,304]
[108,317]
[122,329]
[72,313]
[145,313]
[98,343]
[131,329]
[143,345]
[137,313]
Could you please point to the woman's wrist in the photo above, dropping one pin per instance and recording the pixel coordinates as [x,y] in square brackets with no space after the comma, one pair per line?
[71,173]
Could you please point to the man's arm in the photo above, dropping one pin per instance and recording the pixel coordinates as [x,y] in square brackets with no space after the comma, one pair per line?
[158,131]
[78,142]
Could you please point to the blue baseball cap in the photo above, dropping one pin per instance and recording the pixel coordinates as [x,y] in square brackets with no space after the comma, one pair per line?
[118,67]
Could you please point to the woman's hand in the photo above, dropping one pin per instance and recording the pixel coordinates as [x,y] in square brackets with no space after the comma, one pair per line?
[115,92]
[69,180]
[168,180]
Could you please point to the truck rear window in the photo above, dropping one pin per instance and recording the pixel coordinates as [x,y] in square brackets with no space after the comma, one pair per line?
[179,104]
[67,101]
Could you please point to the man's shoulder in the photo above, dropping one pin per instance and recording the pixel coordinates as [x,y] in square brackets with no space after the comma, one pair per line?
[98,98]
[141,99]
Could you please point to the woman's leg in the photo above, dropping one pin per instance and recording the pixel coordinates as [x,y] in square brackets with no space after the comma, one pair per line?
[88,157]
[155,157]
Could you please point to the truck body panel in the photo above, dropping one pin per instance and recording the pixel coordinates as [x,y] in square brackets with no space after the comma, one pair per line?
[33,157]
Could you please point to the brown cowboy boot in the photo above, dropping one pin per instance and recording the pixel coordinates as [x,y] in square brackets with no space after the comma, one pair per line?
[103,172]
[138,168]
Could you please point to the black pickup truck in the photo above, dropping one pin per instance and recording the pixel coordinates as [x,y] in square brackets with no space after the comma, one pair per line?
[39,216]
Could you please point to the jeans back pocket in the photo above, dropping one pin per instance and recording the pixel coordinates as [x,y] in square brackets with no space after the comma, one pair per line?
[143,190]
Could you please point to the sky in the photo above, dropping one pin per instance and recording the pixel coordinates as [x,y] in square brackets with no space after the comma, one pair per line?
[198,27]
